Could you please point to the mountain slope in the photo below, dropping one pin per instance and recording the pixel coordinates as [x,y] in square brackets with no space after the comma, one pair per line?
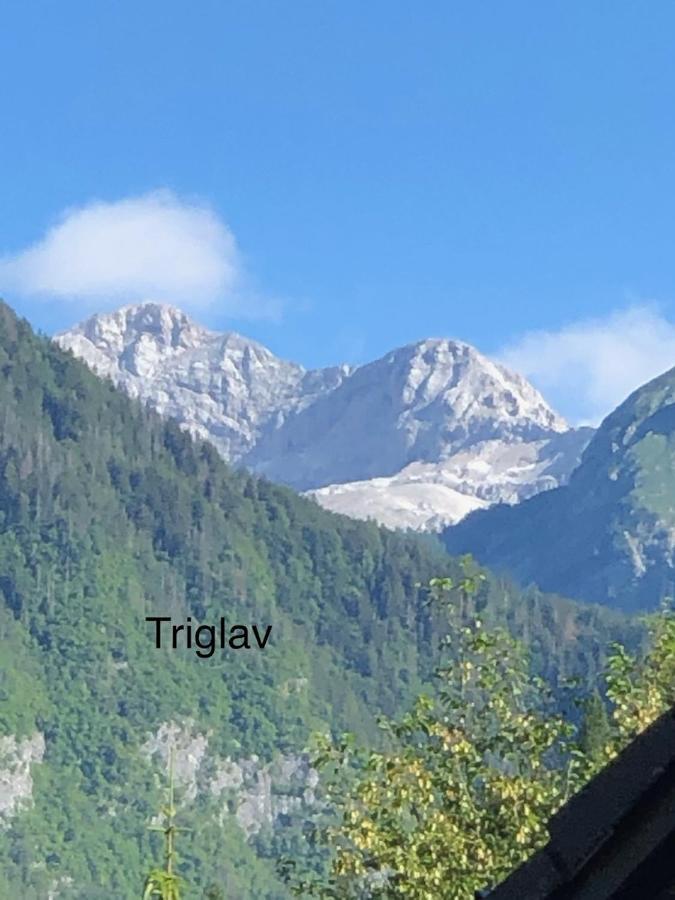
[434,403]
[609,535]
[110,514]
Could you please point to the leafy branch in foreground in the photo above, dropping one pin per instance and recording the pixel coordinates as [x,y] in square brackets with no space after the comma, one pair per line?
[641,688]
[465,785]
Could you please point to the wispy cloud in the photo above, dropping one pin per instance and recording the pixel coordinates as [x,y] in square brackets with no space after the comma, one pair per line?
[588,367]
[156,246]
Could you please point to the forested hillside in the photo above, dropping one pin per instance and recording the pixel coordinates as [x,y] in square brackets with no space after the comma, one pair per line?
[109,515]
[609,535]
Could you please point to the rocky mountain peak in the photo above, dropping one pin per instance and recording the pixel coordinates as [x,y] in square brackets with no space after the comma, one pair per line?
[140,338]
[219,385]
[468,384]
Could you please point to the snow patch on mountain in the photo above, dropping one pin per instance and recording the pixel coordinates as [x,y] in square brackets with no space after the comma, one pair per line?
[399,501]
[430,496]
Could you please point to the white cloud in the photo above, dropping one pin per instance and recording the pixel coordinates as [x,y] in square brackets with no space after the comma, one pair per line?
[587,368]
[150,247]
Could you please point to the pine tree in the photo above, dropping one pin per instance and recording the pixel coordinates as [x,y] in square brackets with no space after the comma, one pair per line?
[596,731]
[165,883]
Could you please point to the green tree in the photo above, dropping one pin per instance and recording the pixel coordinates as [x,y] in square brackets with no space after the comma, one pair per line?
[596,733]
[641,688]
[213,892]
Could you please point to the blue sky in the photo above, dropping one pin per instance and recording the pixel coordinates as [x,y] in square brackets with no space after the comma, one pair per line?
[370,173]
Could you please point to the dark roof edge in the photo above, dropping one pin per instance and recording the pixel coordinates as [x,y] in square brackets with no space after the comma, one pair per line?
[589,819]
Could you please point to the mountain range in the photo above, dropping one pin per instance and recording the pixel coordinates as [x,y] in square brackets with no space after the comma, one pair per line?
[110,514]
[416,439]
[433,436]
